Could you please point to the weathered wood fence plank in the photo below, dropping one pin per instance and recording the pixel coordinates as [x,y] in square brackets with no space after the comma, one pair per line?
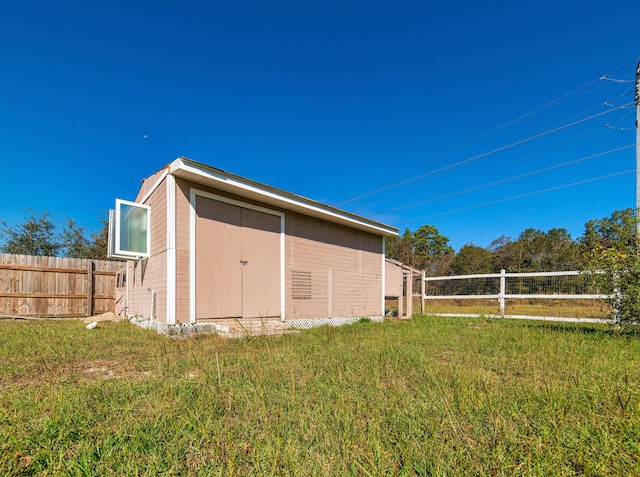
[55,286]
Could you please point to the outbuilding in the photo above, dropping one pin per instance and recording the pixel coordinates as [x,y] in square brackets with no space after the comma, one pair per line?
[212,246]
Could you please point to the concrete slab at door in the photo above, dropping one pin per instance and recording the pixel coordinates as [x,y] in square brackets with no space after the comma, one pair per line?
[218,254]
[261,264]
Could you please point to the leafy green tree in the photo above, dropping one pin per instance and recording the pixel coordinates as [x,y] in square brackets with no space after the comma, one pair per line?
[559,251]
[35,236]
[100,240]
[472,259]
[75,244]
[39,235]
[432,250]
[612,247]
[536,250]
[618,230]
[506,252]
[528,250]
[425,249]
[400,248]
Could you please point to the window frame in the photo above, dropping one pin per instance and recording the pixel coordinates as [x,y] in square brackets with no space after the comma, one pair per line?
[116,218]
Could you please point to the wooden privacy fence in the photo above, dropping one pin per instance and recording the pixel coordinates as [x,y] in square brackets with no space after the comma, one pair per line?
[56,287]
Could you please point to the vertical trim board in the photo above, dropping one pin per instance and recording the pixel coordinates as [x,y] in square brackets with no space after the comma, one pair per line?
[384,272]
[192,256]
[171,251]
[283,272]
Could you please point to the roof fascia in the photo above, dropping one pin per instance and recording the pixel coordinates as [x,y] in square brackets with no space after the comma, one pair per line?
[155,185]
[402,265]
[219,179]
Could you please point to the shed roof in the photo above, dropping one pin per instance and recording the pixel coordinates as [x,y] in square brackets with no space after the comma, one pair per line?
[402,265]
[247,188]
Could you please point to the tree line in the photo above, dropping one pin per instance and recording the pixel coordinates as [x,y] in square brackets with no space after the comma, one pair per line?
[608,252]
[608,246]
[39,234]
[532,251]
[426,248]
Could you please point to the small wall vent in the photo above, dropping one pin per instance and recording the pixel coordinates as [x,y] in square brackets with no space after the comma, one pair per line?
[301,285]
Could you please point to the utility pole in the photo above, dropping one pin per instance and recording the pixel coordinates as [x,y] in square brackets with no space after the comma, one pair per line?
[637,99]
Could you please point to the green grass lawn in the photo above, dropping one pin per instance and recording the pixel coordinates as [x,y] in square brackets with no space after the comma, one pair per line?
[432,396]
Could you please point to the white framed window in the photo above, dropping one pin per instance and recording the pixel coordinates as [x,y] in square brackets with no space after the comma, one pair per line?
[129,230]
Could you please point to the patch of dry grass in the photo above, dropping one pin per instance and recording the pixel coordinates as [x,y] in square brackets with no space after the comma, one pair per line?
[531,307]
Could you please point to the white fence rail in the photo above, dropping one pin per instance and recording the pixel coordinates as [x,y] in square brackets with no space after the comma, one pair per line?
[503,286]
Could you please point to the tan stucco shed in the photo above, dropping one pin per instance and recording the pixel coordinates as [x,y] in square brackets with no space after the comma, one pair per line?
[223,246]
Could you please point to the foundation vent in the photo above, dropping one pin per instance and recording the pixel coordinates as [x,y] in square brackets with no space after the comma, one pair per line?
[301,285]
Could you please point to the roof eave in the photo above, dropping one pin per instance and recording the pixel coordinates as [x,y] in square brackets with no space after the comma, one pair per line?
[221,180]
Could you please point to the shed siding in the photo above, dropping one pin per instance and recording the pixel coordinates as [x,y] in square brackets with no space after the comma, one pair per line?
[148,183]
[393,279]
[344,264]
[151,273]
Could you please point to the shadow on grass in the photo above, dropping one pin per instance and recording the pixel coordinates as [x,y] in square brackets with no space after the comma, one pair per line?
[629,331]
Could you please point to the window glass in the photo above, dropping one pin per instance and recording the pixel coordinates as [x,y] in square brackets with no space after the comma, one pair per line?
[129,234]
[133,229]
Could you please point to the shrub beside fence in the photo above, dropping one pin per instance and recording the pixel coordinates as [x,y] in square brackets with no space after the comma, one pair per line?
[33,286]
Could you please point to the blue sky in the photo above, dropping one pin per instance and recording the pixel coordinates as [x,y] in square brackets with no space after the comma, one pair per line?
[404,112]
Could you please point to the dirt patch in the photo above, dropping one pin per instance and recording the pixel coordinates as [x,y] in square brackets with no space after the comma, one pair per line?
[105,369]
[78,372]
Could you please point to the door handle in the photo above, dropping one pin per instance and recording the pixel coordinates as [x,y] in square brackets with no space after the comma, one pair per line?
[244,262]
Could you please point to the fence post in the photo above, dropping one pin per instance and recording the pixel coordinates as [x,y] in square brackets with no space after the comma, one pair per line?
[616,301]
[401,297]
[503,290]
[423,291]
[410,293]
[90,278]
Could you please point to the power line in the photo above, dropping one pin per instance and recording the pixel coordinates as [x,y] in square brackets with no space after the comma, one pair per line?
[509,179]
[501,166]
[472,140]
[473,178]
[575,47]
[483,155]
[504,125]
[492,131]
[521,196]
[543,107]
[617,80]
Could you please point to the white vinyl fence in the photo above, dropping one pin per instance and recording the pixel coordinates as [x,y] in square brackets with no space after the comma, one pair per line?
[504,287]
